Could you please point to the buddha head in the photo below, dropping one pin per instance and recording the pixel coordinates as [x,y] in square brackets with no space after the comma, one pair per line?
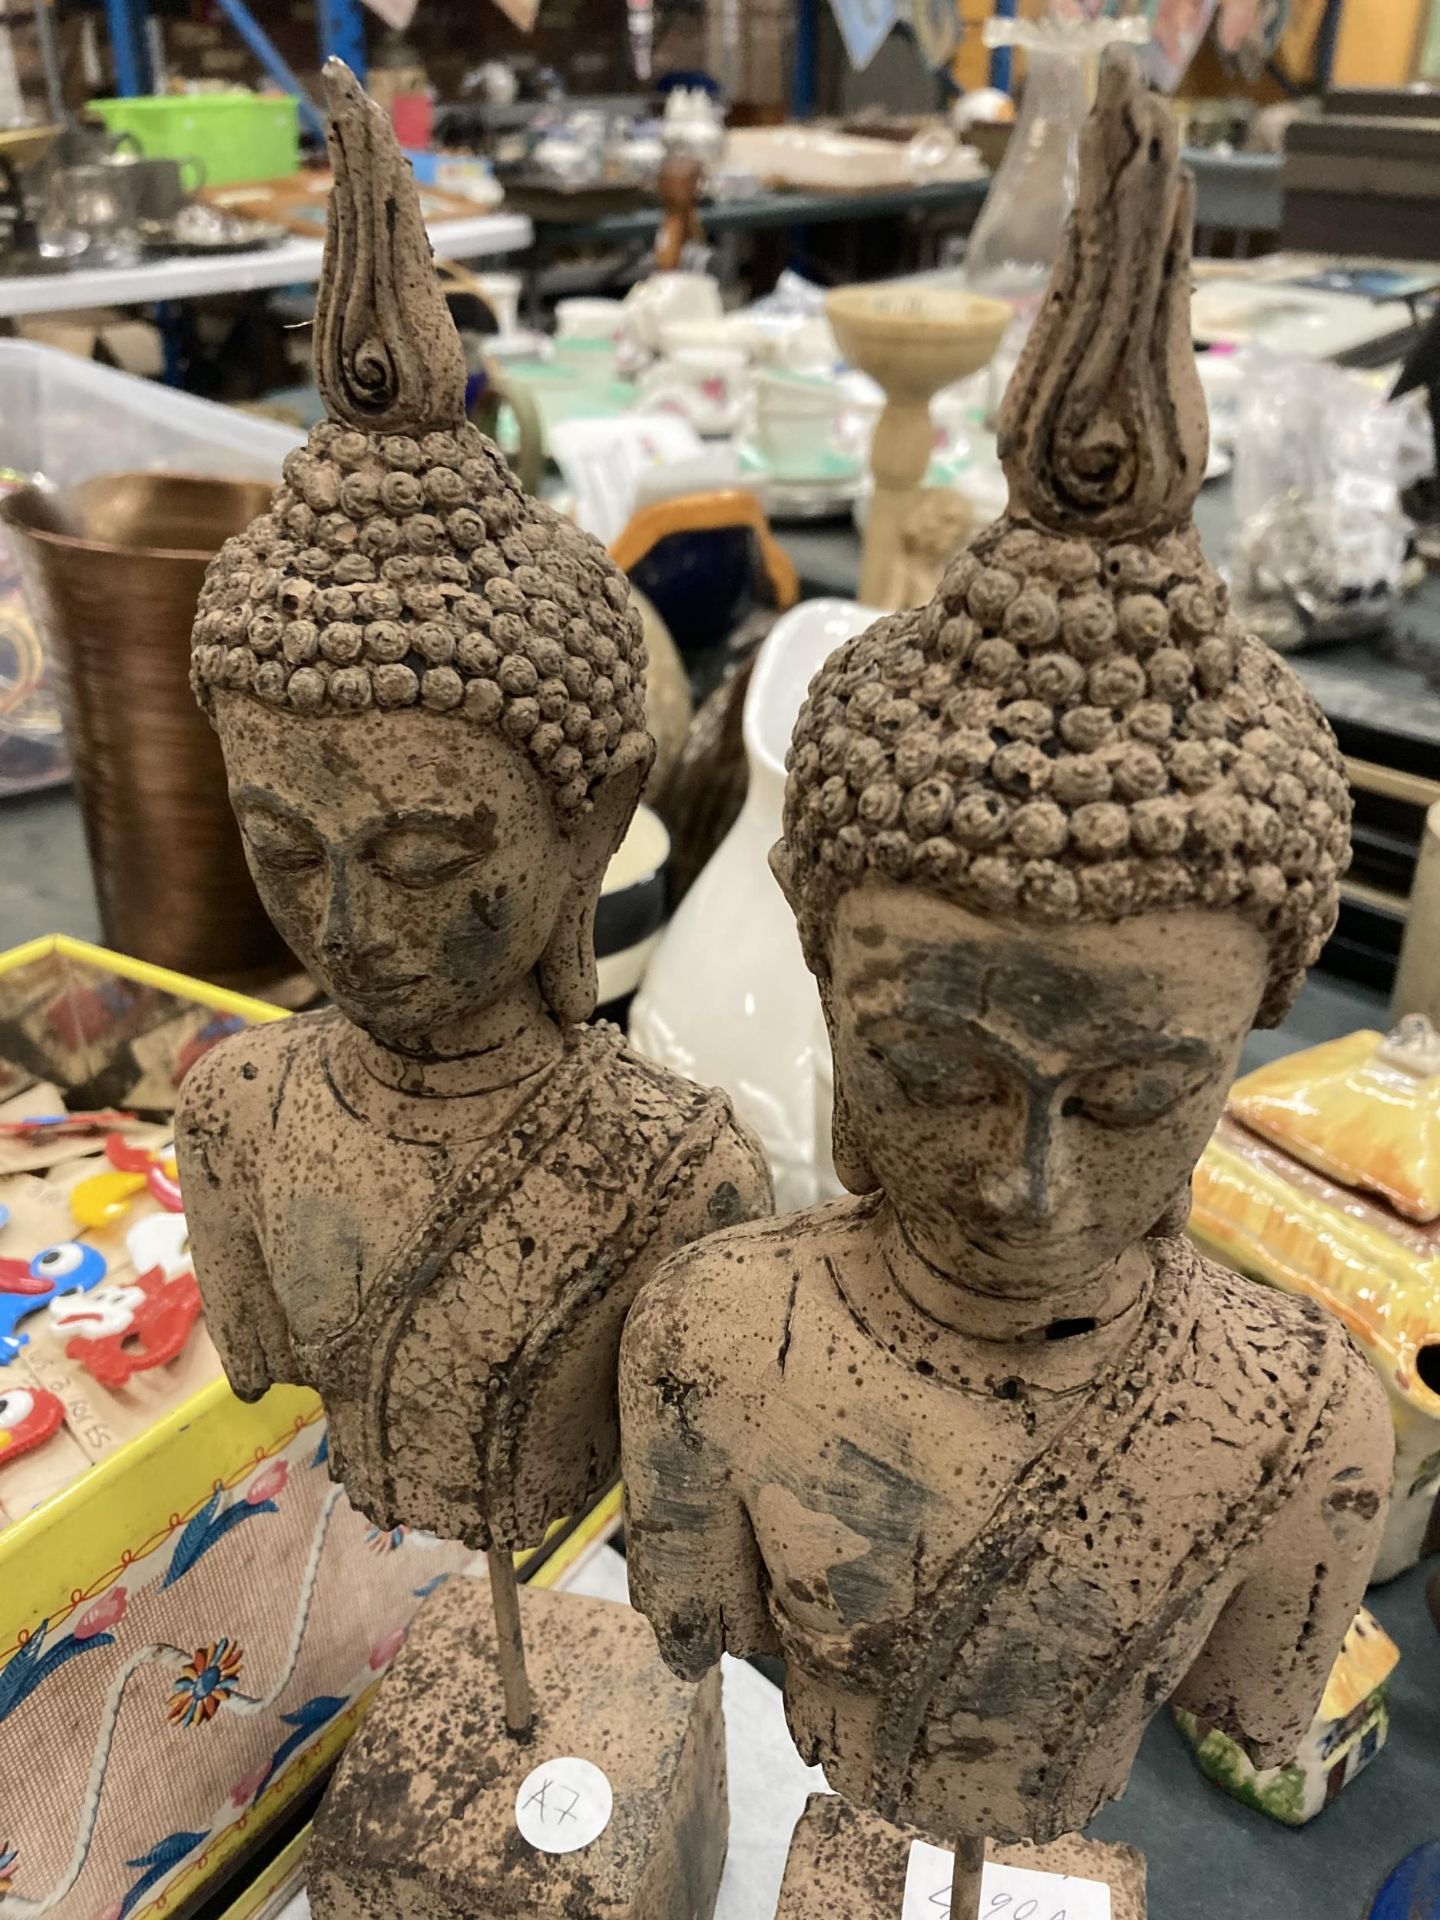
[429,688]
[1057,840]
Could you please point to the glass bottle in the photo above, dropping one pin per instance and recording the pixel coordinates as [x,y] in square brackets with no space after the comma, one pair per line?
[1017,236]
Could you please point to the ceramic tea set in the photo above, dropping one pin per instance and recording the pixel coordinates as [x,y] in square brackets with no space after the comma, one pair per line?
[770,381]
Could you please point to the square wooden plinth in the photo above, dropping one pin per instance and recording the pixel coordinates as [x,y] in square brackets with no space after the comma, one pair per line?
[845,1862]
[419,1823]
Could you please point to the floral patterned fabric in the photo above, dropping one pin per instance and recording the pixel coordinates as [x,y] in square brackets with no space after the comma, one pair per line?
[175,1708]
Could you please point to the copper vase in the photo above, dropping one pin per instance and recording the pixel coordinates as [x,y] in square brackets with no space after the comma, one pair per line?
[113,569]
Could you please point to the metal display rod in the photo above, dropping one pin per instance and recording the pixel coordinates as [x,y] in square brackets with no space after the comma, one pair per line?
[50,60]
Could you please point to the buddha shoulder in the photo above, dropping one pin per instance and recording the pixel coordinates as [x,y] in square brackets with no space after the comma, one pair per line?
[1280,1363]
[732,1294]
[230,1099]
[667,1135]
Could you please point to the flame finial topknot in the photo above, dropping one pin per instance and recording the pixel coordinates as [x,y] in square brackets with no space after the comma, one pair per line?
[1104,429]
[387,356]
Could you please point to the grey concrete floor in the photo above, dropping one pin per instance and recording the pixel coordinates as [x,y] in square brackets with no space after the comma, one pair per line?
[45,882]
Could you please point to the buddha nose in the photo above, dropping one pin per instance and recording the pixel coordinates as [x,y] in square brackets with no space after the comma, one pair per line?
[345,937]
[337,931]
[1023,1184]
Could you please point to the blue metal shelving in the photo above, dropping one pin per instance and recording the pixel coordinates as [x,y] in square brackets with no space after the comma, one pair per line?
[1002,59]
[341,31]
[126,21]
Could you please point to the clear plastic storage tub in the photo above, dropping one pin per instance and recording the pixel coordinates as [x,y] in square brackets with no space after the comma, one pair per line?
[64,420]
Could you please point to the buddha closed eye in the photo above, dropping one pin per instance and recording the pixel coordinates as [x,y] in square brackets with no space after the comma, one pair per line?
[277,842]
[950,1070]
[419,856]
[1135,1093]
[421,851]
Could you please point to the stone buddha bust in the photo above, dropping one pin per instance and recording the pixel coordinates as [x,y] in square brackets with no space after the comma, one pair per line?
[434,1202]
[987,1451]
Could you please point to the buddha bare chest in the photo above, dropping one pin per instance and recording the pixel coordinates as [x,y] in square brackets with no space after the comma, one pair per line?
[877,1493]
[443,1303]
[857,1512]
[330,1247]
[954,1579]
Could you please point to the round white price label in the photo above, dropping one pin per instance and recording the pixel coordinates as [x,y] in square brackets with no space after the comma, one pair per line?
[563,1805]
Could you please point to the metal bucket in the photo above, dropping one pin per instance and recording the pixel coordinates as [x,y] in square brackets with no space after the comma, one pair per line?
[113,569]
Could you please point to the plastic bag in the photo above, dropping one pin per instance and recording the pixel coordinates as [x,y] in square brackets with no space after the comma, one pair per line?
[1321,457]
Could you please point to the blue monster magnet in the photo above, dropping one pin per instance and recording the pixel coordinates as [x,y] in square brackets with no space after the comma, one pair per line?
[28,1285]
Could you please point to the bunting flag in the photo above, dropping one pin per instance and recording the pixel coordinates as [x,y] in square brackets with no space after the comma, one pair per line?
[936,26]
[1177,28]
[397,14]
[1249,31]
[864,27]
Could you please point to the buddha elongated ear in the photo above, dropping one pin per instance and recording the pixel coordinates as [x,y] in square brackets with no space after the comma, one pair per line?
[567,966]
[851,1166]
[782,866]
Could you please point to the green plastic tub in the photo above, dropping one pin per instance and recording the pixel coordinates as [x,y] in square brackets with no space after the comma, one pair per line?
[235,136]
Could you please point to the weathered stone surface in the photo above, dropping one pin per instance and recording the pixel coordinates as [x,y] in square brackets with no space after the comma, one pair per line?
[451,1275]
[1076,727]
[419,1823]
[434,1204]
[844,1861]
[387,358]
[987,1451]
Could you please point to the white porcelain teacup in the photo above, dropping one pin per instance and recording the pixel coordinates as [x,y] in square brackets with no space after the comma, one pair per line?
[796,420]
[709,386]
[666,297]
[589,318]
[678,335]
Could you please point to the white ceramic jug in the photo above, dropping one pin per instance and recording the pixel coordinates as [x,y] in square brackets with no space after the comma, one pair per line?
[728,999]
